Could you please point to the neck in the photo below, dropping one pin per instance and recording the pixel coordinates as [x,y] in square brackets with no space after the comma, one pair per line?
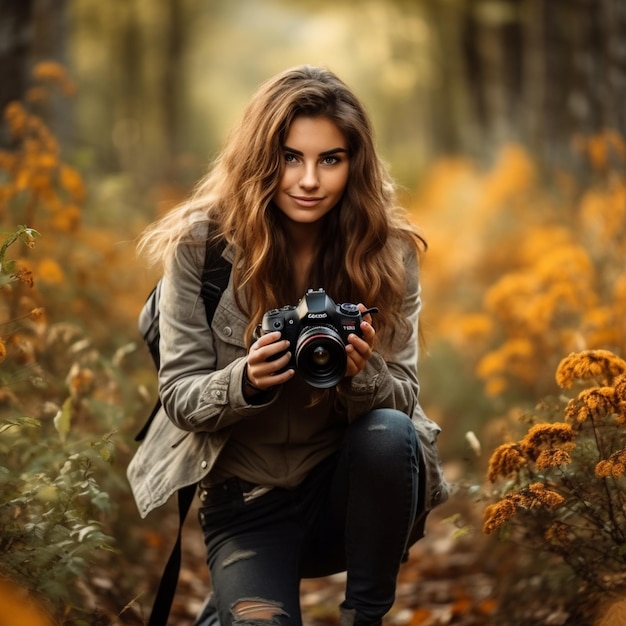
[304,237]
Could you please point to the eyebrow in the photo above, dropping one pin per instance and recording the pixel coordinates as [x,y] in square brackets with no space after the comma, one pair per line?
[321,154]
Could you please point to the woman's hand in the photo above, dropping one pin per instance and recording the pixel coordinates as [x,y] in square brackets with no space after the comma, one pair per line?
[359,350]
[261,373]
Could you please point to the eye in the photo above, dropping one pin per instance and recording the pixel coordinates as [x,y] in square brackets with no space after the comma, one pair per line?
[330,160]
[290,157]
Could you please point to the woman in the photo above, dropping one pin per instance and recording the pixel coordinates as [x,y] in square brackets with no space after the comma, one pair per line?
[294,480]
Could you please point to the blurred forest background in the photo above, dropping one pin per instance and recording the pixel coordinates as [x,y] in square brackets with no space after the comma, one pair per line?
[503,121]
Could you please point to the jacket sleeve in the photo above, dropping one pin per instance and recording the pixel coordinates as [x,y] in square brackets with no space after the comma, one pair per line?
[389,379]
[197,394]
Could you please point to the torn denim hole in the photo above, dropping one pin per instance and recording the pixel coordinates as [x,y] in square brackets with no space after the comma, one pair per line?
[257,611]
[377,427]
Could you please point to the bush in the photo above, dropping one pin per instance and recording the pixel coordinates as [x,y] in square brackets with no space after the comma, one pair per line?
[560,490]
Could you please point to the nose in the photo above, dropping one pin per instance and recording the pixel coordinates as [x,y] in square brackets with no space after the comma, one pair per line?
[309,178]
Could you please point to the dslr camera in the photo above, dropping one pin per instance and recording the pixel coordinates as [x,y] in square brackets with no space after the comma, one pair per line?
[317,330]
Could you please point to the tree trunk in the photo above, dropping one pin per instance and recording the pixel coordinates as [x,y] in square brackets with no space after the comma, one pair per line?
[30,31]
[16,34]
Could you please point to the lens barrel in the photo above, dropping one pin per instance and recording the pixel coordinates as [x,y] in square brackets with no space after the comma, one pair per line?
[321,356]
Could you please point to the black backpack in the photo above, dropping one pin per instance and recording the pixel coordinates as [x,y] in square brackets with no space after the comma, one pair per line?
[215,278]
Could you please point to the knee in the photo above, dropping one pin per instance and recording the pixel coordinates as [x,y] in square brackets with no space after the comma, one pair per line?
[257,612]
[383,434]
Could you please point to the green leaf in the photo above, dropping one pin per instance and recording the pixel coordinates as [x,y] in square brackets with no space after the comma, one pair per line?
[105,449]
[63,419]
[19,422]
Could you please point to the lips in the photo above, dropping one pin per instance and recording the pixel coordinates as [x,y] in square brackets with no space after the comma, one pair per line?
[306,201]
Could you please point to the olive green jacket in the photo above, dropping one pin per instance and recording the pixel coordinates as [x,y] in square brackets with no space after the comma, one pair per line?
[200,385]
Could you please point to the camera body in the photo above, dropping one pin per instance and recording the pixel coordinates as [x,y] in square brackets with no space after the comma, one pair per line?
[317,330]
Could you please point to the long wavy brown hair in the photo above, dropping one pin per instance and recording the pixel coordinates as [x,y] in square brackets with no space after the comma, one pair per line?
[361,259]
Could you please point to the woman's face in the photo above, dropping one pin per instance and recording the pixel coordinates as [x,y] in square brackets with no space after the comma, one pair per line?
[315,170]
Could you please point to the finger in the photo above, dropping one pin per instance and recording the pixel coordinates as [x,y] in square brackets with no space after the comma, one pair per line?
[369,333]
[264,362]
[265,340]
[270,373]
[271,367]
[368,317]
[354,365]
[365,343]
[261,351]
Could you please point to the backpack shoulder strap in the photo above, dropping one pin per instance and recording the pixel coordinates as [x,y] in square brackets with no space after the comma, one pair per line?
[215,277]
[169,580]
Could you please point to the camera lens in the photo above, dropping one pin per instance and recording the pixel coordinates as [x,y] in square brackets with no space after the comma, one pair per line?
[321,356]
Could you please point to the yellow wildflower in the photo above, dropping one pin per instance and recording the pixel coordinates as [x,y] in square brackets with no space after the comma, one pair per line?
[589,364]
[542,436]
[620,388]
[614,466]
[54,72]
[553,458]
[558,533]
[603,469]
[618,470]
[80,381]
[24,276]
[50,272]
[16,118]
[72,181]
[505,460]
[537,494]
[67,219]
[3,350]
[600,400]
[591,404]
[497,514]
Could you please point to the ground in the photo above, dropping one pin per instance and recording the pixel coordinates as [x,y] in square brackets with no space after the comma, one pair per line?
[443,582]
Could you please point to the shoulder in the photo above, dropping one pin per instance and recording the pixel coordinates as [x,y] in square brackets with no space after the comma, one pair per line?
[200,233]
[405,251]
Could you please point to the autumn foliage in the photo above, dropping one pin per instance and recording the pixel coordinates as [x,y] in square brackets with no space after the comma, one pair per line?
[526,266]
[524,315]
[536,258]
[63,400]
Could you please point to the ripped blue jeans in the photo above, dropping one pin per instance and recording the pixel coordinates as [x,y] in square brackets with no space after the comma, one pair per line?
[354,513]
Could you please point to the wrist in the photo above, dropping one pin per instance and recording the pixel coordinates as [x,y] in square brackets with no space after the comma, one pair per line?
[247,384]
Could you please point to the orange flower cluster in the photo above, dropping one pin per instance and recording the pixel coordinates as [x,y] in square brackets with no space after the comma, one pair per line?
[579,507]
[606,400]
[35,174]
[601,147]
[594,404]
[553,458]
[535,495]
[558,533]
[506,460]
[80,381]
[25,276]
[614,466]
[54,73]
[545,445]
[551,293]
[601,365]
